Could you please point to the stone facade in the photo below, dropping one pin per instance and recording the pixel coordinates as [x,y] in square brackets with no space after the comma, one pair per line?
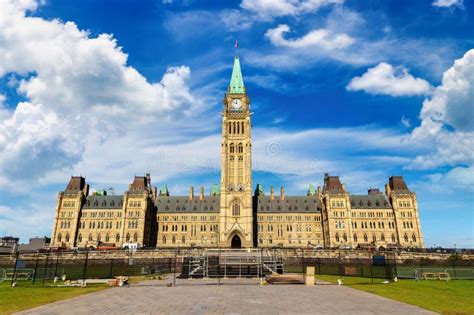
[231,215]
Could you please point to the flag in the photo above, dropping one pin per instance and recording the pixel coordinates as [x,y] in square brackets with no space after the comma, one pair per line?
[236,44]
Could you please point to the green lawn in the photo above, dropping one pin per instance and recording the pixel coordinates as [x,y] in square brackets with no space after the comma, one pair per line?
[26,296]
[452,297]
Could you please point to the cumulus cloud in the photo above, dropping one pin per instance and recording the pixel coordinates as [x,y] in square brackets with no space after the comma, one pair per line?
[268,9]
[322,38]
[446,3]
[79,89]
[387,80]
[451,104]
[453,101]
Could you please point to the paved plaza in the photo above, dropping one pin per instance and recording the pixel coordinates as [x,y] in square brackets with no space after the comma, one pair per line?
[234,296]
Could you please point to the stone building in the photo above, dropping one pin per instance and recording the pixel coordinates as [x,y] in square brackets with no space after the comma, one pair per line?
[232,215]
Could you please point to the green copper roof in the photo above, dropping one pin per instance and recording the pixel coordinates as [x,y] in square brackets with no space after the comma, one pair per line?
[311,190]
[259,190]
[164,191]
[236,82]
[215,190]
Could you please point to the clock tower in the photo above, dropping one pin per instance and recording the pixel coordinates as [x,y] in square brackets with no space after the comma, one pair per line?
[236,219]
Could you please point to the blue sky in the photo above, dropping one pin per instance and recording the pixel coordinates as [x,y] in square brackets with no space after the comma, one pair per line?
[359,89]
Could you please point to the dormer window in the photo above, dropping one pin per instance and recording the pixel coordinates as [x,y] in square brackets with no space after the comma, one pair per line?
[112,203]
[96,203]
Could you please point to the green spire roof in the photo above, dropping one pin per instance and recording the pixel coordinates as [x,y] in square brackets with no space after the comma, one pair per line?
[311,190]
[164,191]
[215,190]
[236,82]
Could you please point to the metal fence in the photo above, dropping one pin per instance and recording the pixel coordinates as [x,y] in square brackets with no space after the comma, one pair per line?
[40,268]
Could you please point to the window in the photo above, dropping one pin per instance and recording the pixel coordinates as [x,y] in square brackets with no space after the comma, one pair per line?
[374,238]
[242,127]
[355,237]
[67,237]
[183,239]
[236,208]
[344,236]
[231,148]
[98,238]
[128,237]
[240,148]
[135,237]
[164,239]
[366,239]
[79,238]
[405,237]
[382,238]
[337,237]
[60,237]
[413,237]
[393,238]
[90,238]
[107,238]
[117,237]
[173,240]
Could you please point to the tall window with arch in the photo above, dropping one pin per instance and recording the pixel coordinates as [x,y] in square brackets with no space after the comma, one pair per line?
[231,148]
[236,208]
[240,148]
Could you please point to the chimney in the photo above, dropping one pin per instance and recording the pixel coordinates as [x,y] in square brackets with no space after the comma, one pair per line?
[373,191]
[201,194]
[148,180]
[191,193]
[282,193]
[272,193]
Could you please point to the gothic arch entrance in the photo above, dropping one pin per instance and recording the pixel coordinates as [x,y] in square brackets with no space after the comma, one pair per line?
[236,242]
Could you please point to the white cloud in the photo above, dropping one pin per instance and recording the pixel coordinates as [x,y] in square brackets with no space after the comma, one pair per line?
[268,9]
[447,3]
[452,102]
[387,80]
[320,38]
[81,91]
[450,105]
[405,121]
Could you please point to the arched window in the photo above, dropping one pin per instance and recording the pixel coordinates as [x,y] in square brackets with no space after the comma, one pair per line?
[405,237]
[234,131]
[230,127]
[173,240]
[382,238]
[164,239]
[117,237]
[337,237]
[128,237]
[344,236]
[231,148]
[98,238]
[104,203]
[366,239]
[238,127]
[393,238]
[67,237]
[60,237]
[240,148]
[413,237]
[107,238]
[183,239]
[236,208]
[242,127]
[355,237]
[112,203]
[374,238]
[79,238]
[90,238]
[135,237]
[96,203]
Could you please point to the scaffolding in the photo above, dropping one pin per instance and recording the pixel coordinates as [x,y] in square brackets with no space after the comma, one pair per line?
[231,263]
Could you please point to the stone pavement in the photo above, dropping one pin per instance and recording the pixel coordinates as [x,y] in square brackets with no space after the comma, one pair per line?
[235,296]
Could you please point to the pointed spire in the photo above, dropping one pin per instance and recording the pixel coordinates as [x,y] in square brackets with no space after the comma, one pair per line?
[236,82]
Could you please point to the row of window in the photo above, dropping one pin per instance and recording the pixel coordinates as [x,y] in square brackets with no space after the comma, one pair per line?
[192,218]
[178,209]
[365,214]
[69,204]
[404,204]
[262,218]
[236,127]
[374,238]
[337,203]
[135,204]
[408,225]
[373,225]
[184,228]
[101,214]
[406,214]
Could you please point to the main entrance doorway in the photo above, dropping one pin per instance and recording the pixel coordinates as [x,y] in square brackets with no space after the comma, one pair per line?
[236,243]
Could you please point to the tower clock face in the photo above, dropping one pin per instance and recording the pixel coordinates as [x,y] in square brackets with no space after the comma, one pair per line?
[236,104]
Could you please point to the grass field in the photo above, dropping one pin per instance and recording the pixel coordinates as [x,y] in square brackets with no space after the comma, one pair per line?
[452,297]
[26,296]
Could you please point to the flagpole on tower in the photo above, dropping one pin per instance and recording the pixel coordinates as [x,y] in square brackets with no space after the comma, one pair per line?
[236,48]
